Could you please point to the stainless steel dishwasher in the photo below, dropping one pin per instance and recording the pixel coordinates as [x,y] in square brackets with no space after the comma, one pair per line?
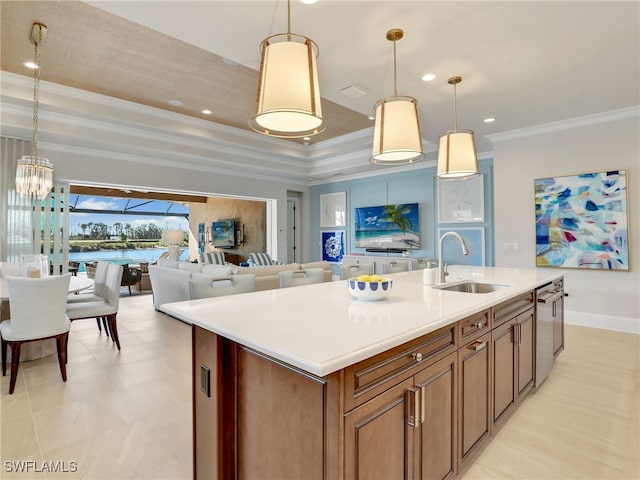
[547,310]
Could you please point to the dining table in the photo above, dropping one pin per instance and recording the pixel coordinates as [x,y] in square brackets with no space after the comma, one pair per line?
[40,348]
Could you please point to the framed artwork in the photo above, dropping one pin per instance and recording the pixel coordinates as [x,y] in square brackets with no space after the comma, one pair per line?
[333,210]
[582,221]
[333,246]
[461,199]
[201,238]
[452,251]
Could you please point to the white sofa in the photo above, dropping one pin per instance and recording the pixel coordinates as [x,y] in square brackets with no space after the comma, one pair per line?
[170,280]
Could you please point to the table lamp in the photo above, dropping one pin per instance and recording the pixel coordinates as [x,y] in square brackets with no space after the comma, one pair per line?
[173,239]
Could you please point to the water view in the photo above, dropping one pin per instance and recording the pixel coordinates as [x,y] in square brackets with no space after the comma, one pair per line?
[122,257]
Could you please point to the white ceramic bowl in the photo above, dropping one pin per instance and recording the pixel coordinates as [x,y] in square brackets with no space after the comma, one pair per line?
[370,291]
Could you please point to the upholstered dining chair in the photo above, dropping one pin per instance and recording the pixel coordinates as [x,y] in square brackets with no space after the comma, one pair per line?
[105,309]
[99,290]
[294,278]
[395,266]
[207,287]
[355,270]
[38,312]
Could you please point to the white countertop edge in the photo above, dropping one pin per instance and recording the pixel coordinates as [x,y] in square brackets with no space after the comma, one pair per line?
[332,365]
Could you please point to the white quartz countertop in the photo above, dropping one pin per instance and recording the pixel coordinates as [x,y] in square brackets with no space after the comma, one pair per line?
[321,328]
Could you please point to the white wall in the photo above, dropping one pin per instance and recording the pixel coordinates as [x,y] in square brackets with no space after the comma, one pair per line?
[606,299]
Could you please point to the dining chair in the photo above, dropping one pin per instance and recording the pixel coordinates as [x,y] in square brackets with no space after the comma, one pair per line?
[38,312]
[207,287]
[355,270]
[99,290]
[395,266]
[295,278]
[105,309]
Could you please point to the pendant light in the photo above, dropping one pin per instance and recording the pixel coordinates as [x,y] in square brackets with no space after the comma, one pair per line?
[396,135]
[34,174]
[457,156]
[288,94]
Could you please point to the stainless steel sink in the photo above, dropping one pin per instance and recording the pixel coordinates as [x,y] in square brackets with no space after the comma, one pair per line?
[471,287]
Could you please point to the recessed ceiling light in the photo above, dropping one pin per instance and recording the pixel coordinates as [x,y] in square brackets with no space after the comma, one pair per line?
[371,117]
[427,77]
[308,2]
[306,138]
[206,112]
[489,120]
[30,65]
[175,102]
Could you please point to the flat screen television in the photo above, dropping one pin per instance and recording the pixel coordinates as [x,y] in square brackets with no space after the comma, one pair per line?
[388,227]
[223,233]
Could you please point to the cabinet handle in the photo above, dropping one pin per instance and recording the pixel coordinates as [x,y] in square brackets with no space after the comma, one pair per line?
[413,407]
[517,334]
[553,309]
[477,346]
[417,356]
[423,403]
[479,325]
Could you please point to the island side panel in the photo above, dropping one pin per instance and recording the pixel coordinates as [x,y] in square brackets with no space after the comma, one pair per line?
[205,404]
[281,430]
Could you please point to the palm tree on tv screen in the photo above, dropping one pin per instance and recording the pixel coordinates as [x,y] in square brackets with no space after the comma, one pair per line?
[396,214]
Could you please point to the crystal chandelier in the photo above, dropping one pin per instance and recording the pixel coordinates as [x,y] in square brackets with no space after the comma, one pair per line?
[34,174]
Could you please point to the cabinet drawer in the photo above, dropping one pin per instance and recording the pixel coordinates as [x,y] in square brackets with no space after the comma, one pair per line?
[473,326]
[512,307]
[368,378]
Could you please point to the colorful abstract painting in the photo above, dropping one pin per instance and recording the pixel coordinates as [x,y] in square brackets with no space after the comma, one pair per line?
[333,246]
[581,221]
[200,238]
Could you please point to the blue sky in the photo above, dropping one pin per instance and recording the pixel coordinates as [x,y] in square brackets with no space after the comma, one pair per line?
[119,204]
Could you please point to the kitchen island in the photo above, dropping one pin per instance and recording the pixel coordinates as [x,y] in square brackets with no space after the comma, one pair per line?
[308,382]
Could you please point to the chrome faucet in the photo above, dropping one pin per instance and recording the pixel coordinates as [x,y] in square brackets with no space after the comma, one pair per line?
[442,273]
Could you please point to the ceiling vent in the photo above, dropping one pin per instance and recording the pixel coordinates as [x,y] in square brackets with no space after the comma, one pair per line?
[352,91]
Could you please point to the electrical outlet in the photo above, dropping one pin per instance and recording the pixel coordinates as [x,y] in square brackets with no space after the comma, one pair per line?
[511,247]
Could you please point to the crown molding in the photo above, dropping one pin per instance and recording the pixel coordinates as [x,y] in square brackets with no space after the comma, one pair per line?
[577,122]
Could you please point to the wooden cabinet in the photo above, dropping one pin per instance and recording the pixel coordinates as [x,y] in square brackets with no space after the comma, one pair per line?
[436,445]
[408,431]
[474,389]
[379,436]
[513,350]
[422,410]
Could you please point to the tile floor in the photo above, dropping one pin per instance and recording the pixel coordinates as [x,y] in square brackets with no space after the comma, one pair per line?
[120,414]
[127,414]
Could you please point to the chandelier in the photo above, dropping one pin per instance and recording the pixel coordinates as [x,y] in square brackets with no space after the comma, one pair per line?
[396,135]
[288,94]
[34,174]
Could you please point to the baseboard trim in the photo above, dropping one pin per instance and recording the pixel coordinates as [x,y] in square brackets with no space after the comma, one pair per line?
[608,322]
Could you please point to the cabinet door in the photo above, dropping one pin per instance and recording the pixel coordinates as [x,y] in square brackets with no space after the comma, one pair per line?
[504,371]
[380,435]
[474,391]
[436,446]
[526,351]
